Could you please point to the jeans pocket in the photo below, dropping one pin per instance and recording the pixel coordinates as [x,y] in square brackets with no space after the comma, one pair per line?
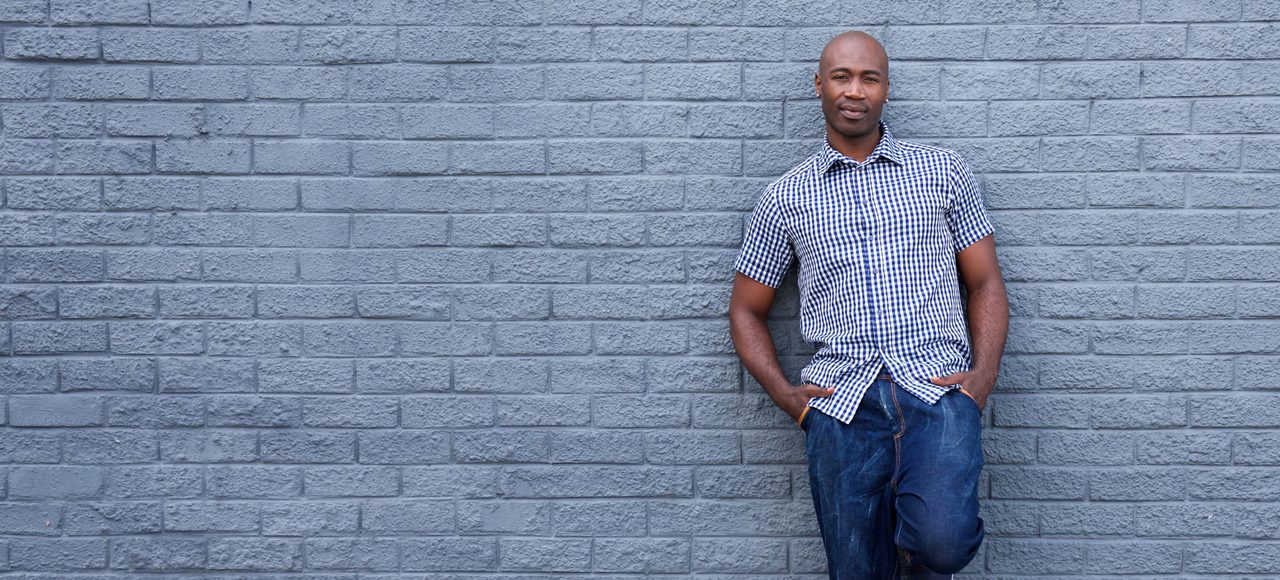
[808,416]
[973,402]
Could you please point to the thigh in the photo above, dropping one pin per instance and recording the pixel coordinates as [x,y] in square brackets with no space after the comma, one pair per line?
[850,469]
[937,488]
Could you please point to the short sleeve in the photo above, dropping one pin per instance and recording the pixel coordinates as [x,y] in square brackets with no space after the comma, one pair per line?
[767,252]
[967,218]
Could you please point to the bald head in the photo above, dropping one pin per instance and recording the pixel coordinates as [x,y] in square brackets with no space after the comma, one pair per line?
[855,46]
[853,82]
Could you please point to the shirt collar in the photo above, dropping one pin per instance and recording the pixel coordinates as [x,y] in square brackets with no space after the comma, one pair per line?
[887,148]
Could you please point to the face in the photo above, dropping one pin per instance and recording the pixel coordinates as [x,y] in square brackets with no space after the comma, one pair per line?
[853,82]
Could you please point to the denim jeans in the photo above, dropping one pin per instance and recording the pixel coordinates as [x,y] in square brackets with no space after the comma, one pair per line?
[903,474]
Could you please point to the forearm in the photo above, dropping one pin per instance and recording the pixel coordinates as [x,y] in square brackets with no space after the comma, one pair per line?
[754,344]
[988,316]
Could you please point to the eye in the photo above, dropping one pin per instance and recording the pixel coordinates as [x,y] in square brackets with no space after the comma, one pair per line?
[873,80]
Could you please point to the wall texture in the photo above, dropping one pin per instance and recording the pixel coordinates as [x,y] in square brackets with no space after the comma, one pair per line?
[437,289]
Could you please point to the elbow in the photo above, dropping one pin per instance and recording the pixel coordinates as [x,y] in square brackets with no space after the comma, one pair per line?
[740,316]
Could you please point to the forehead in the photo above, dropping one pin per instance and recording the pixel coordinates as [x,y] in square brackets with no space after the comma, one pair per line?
[857,54]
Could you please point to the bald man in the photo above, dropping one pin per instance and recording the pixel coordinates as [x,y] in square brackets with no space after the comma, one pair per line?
[885,232]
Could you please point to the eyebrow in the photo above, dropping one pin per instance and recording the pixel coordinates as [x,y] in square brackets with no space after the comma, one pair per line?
[849,70]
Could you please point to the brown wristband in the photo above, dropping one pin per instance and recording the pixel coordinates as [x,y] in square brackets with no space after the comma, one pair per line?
[800,421]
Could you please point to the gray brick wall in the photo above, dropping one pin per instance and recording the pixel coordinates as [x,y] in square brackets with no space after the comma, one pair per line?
[437,289]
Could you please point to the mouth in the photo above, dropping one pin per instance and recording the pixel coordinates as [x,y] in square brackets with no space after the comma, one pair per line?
[853,113]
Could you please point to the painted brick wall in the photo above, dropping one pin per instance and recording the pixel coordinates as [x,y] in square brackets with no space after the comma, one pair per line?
[437,289]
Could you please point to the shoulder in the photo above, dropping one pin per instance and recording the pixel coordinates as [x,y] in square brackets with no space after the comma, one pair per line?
[797,178]
[932,156]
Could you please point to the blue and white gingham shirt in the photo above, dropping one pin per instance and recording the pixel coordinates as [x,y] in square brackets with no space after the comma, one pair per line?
[876,243]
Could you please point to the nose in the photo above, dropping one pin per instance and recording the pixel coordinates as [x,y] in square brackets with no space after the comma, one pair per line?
[853,90]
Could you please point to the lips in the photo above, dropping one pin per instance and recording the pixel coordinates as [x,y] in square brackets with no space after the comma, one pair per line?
[853,113]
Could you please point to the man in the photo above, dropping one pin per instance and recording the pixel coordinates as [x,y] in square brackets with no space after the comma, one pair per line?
[891,403]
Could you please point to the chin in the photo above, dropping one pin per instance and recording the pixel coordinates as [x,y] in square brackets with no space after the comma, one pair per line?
[855,129]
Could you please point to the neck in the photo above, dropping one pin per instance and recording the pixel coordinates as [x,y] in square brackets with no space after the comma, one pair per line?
[858,147]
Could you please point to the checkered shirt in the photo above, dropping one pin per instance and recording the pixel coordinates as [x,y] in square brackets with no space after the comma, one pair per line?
[876,244]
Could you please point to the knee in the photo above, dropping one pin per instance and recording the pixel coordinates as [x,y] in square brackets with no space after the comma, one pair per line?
[947,560]
[948,553]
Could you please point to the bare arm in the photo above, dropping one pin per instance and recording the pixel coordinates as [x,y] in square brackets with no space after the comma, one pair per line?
[749,308]
[988,316]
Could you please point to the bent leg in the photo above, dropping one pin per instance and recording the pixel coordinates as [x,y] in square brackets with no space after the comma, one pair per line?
[937,488]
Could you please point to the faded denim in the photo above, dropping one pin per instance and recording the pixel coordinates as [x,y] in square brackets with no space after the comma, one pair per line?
[903,474]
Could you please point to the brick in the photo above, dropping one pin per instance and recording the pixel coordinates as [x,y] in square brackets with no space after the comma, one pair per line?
[685,157]
[593,12]
[1145,41]
[1260,153]
[639,119]
[497,83]
[202,156]
[52,120]
[1233,483]
[544,120]
[446,121]
[514,157]
[105,12]
[777,81]
[446,44]
[106,302]
[714,43]
[394,82]
[739,555]
[1137,338]
[1010,154]
[937,43]
[390,157]
[1093,302]
[1034,42]
[938,119]
[348,45]
[270,46]
[1259,10]
[148,45]
[669,12]
[631,44]
[1134,557]
[1090,80]
[1232,41]
[1235,79]
[89,83]
[253,119]
[1140,116]
[1235,116]
[1231,557]
[1080,11]
[1091,153]
[1084,519]
[537,194]
[576,82]
[701,81]
[24,82]
[543,44]
[1038,118]
[196,12]
[30,11]
[1135,190]
[594,157]
[51,44]
[1007,81]
[351,121]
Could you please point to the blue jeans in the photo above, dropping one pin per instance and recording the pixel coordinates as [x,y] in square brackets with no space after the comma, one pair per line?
[903,474]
